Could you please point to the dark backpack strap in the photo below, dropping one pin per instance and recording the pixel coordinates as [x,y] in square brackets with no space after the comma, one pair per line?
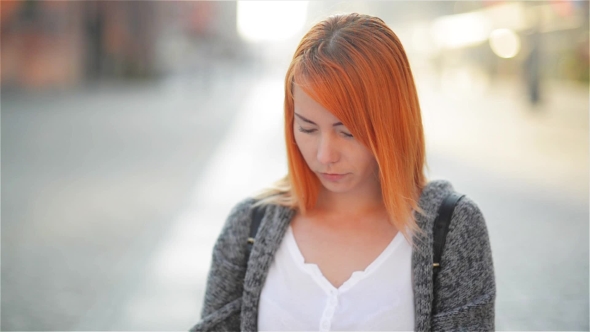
[257,215]
[441,228]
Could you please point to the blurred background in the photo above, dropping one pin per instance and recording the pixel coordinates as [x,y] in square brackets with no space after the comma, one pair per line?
[130,129]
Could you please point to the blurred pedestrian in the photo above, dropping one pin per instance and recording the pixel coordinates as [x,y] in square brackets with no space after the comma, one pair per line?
[345,240]
[532,68]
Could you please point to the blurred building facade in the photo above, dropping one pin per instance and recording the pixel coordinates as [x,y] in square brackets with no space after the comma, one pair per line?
[555,32]
[48,44]
[552,43]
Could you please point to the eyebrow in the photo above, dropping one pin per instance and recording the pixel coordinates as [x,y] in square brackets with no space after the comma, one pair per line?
[313,123]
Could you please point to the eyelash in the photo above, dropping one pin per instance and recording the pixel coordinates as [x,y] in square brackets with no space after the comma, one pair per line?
[309,131]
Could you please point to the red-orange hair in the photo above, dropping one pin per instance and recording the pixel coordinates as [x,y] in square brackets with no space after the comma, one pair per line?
[355,67]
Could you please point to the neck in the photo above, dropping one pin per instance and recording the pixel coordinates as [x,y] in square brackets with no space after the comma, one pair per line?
[367,202]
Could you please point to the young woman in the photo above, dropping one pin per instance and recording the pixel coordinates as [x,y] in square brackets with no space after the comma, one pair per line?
[346,240]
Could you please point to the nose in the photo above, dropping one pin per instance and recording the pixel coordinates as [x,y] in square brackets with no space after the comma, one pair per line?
[327,150]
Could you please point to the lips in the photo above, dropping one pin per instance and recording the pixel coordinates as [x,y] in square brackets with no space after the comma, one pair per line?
[332,177]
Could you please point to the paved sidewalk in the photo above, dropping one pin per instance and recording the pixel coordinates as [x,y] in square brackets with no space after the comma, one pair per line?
[91,179]
[498,131]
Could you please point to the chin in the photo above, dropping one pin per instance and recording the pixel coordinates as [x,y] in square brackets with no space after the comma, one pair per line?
[335,187]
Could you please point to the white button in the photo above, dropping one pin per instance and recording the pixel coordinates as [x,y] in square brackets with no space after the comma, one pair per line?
[333,301]
[325,325]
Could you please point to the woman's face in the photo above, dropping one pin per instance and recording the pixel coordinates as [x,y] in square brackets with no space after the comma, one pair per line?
[342,164]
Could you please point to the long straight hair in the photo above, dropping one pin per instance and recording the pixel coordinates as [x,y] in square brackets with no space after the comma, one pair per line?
[356,68]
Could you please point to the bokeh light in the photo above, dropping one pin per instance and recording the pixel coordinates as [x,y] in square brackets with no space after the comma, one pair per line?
[505,43]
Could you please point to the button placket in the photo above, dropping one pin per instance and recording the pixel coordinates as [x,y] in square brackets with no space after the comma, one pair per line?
[329,311]
[333,301]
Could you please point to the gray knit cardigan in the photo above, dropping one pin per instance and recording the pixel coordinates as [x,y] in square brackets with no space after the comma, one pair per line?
[465,287]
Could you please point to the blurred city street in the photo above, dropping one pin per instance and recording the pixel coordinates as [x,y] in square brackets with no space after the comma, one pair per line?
[90,184]
[163,173]
[117,177]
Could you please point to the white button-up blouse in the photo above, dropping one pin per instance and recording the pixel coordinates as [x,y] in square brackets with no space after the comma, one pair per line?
[297,297]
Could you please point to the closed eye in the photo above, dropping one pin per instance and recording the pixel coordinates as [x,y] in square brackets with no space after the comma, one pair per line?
[307,131]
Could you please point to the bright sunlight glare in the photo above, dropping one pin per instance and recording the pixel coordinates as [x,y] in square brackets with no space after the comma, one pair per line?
[270,20]
[461,30]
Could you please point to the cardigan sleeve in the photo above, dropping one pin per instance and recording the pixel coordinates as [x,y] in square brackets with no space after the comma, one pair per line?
[465,287]
[222,304]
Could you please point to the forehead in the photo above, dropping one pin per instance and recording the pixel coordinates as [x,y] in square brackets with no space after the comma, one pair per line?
[309,108]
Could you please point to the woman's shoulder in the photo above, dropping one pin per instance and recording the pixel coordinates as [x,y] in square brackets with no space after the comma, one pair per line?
[467,229]
[239,214]
[232,241]
[467,218]
[237,224]
[436,191]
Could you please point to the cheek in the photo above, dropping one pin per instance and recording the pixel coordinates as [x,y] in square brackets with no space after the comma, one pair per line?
[367,161]
[374,166]
[304,144]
